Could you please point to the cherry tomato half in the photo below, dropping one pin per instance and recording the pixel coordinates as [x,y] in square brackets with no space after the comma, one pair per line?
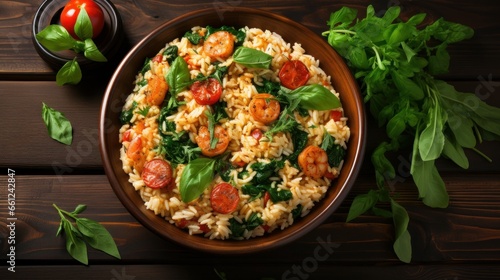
[157,173]
[293,74]
[71,11]
[257,133]
[224,198]
[206,92]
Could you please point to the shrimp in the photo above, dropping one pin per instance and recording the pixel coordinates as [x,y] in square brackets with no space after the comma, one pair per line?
[134,152]
[158,88]
[203,140]
[313,161]
[264,108]
[219,45]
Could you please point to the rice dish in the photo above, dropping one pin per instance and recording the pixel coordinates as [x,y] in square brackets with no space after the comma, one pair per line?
[232,133]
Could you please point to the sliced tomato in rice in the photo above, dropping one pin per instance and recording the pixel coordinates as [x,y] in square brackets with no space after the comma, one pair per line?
[224,198]
[157,173]
[294,74]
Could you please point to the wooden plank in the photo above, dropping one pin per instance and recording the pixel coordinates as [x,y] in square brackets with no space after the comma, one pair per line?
[469,230]
[478,56]
[292,271]
[34,149]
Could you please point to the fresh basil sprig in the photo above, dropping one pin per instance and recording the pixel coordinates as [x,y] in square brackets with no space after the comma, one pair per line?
[56,38]
[252,58]
[85,232]
[58,126]
[196,177]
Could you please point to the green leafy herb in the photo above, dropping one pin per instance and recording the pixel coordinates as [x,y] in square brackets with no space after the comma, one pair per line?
[335,152]
[178,77]
[196,177]
[83,25]
[70,73]
[252,58]
[240,34]
[56,38]
[58,125]
[193,37]
[85,232]
[238,229]
[144,110]
[171,53]
[126,115]
[315,97]
[395,62]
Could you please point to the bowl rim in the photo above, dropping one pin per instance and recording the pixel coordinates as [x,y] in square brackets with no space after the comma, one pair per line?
[239,246]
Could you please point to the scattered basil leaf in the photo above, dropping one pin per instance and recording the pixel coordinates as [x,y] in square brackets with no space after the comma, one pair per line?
[70,73]
[196,177]
[58,126]
[97,236]
[86,231]
[252,58]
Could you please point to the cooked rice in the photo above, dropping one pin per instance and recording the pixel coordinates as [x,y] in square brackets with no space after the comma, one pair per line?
[237,93]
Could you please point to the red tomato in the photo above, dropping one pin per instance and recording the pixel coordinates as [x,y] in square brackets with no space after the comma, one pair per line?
[206,92]
[157,173]
[126,136]
[71,11]
[257,134]
[336,115]
[224,198]
[158,58]
[267,196]
[294,74]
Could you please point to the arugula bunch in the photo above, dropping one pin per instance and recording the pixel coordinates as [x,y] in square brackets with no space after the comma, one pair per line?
[56,38]
[396,63]
[85,232]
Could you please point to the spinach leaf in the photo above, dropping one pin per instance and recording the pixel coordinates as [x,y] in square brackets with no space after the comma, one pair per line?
[252,58]
[297,211]
[126,115]
[58,126]
[277,194]
[178,77]
[266,170]
[171,53]
[196,177]
[268,87]
[335,152]
[193,37]
[238,229]
[240,34]
[431,140]
[361,204]
[299,140]
[402,244]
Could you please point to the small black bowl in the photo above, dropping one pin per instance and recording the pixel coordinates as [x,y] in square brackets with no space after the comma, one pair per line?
[108,42]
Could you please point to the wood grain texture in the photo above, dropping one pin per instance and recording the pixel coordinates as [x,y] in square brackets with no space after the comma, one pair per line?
[18,59]
[469,230]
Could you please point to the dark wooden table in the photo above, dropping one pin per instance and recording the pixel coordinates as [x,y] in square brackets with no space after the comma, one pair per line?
[460,242]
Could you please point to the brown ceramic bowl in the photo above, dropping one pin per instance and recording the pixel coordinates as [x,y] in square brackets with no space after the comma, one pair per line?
[120,87]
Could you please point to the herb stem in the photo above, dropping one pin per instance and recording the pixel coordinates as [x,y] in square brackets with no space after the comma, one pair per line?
[482,154]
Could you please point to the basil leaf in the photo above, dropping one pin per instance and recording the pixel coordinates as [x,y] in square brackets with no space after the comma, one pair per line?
[74,245]
[79,209]
[252,58]
[91,52]
[58,125]
[83,25]
[402,244]
[55,38]
[315,97]
[178,77]
[97,236]
[70,73]
[195,178]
